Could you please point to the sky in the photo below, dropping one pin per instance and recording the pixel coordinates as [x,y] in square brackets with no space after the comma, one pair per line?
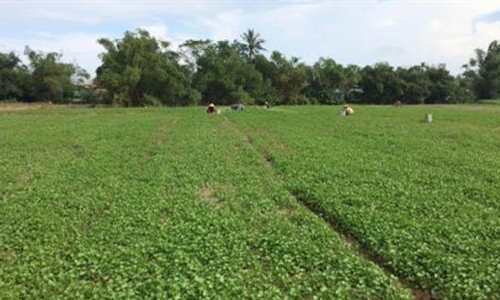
[362,32]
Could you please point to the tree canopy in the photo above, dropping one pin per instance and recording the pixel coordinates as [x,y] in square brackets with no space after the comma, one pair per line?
[252,43]
[139,69]
[482,73]
[12,74]
[45,78]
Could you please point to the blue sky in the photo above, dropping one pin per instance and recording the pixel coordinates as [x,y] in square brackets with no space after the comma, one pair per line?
[401,32]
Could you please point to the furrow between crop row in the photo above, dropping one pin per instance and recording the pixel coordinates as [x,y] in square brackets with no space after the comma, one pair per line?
[358,246]
[337,228]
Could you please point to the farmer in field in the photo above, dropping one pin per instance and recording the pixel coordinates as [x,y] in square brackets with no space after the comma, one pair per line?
[211,108]
[237,107]
[347,110]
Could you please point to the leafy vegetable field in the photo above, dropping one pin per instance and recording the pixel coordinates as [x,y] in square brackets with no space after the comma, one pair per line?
[425,197]
[291,202]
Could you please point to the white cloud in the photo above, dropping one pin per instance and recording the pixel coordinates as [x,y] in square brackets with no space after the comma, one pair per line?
[81,48]
[160,31]
[460,47]
[361,32]
[449,35]
[95,11]
[435,26]
[385,23]
[157,30]
[224,25]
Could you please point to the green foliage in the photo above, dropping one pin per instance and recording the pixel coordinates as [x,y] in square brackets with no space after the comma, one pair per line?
[151,100]
[191,51]
[240,96]
[424,198]
[252,44]
[152,203]
[12,76]
[482,73]
[430,84]
[443,84]
[289,77]
[138,67]
[325,82]
[50,79]
[45,79]
[415,84]
[331,83]
[380,84]
[193,97]
[155,203]
[224,76]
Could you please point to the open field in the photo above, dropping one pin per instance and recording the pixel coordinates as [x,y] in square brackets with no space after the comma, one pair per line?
[294,202]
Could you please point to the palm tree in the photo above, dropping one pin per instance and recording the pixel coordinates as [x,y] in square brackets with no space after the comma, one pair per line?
[253,43]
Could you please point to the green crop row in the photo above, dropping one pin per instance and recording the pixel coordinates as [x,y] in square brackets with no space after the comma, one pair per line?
[425,197]
[160,203]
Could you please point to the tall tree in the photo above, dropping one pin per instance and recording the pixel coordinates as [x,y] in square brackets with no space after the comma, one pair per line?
[441,84]
[13,78]
[253,43]
[140,70]
[289,79]
[191,51]
[350,84]
[482,73]
[380,84]
[267,92]
[326,82]
[490,71]
[225,77]
[415,84]
[51,79]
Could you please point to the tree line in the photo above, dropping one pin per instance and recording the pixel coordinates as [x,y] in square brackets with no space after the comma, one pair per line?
[138,70]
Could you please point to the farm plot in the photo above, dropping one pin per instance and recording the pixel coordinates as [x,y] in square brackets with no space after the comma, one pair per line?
[424,197]
[160,203]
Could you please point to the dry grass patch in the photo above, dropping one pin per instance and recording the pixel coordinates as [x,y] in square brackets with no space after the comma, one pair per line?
[23,106]
[207,195]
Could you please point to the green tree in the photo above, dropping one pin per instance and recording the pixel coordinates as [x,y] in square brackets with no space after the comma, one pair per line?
[289,78]
[490,71]
[441,84]
[267,92]
[50,78]
[482,73]
[350,83]
[14,78]
[191,51]
[326,79]
[225,77]
[380,84]
[431,84]
[252,43]
[415,84]
[141,70]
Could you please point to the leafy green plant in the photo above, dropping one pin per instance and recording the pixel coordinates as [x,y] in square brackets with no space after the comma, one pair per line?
[424,198]
[157,203]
